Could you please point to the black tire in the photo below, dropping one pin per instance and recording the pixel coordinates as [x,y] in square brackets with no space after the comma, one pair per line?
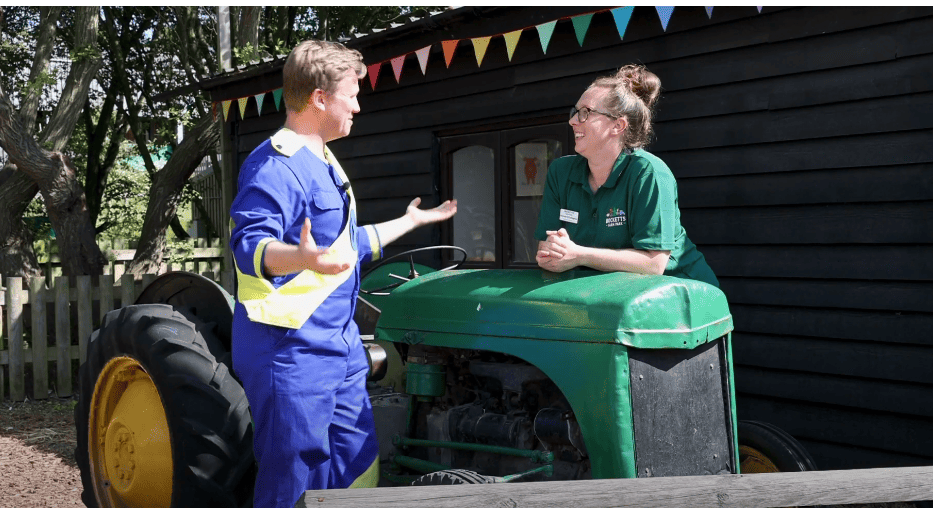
[452,477]
[206,411]
[760,443]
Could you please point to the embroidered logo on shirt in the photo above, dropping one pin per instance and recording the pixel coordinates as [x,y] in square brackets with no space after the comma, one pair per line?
[615,217]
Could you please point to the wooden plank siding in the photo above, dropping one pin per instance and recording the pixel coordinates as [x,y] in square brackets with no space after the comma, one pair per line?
[801,141]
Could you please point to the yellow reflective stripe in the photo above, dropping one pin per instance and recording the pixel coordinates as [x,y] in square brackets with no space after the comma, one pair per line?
[369,479]
[375,244]
[291,304]
[257,256]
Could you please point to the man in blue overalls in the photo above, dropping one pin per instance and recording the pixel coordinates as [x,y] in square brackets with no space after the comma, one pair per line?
[297,250]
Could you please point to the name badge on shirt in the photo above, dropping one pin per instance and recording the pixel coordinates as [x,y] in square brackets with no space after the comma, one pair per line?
[569,216]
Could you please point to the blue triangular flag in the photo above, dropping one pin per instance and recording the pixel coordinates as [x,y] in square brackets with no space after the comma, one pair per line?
[665,14]
[709,12]
[622,15]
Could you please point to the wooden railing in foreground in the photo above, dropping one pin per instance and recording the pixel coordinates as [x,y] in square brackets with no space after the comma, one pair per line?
[732,491]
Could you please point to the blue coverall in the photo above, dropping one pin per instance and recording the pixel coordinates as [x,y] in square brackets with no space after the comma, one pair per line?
[295,345]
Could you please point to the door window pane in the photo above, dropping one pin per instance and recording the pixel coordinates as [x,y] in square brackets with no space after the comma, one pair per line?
[529,165]
[474,225]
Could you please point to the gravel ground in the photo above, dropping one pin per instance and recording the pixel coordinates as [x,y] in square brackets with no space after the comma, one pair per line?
[37,467]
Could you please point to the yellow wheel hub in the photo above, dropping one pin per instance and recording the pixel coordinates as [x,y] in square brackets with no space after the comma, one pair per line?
[753,461]
[128,439]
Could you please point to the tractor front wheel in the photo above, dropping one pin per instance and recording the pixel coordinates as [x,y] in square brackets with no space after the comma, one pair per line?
[452,477]
[161,420]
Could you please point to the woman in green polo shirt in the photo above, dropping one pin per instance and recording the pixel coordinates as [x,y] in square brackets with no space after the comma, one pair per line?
[614,207]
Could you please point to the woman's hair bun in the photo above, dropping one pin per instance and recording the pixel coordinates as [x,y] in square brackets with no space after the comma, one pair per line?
[642,82]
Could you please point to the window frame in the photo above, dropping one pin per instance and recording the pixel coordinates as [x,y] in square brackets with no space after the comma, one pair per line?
[503,142]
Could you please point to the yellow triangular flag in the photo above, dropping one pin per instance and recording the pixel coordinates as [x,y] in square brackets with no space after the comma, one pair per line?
[242,102]
[511,40]
[479,46]
[226,105]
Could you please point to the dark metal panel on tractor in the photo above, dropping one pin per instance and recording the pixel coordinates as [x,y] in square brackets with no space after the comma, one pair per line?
[681,411]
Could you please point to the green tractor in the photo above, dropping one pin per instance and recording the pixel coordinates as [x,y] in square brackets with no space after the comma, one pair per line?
[477,376]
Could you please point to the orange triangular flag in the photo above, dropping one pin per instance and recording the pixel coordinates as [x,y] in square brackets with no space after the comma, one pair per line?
[214,111]
[226,105]
[511,40]
[479,47]
[449,48]
[397,64]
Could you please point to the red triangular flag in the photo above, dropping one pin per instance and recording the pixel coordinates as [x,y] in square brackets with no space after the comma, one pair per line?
[397,64]
[373,71]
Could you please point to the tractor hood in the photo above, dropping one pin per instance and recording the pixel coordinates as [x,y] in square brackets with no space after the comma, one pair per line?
[643,311]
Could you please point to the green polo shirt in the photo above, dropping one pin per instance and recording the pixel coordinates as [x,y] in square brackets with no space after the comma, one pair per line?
[635,208]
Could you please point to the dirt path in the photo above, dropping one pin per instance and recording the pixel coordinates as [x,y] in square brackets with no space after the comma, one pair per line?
[32,478]
[37,468]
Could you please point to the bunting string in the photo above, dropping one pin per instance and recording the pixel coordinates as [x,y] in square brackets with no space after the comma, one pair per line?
[581,25]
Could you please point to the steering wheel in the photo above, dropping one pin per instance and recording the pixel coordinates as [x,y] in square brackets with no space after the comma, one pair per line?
[412,274]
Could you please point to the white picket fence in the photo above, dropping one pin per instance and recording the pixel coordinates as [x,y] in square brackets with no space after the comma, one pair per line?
[44,327]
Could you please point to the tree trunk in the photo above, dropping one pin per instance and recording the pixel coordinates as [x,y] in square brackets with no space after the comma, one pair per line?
[248,28]
[165,194]
[17,256]
[48,26]
[51,171]
[63,195]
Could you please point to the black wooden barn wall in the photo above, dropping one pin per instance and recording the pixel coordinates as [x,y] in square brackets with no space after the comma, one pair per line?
[802,141]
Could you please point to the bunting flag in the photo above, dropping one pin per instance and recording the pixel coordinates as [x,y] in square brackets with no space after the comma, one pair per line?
[242,102]
[449,48]
[511,41]
[580,25]
[226,105]
[622,15]
[545,31]
[373,71]
[480,44]
[423,58]
[259,98]
[665,14]
[214,111]
[397,64]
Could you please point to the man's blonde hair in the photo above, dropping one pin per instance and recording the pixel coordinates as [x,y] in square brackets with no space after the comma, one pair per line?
[316,64]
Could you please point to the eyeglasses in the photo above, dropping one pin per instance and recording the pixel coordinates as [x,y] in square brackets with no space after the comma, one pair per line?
[583,113]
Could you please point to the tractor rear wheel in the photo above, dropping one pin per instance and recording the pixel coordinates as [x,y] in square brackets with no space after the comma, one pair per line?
[452,477]
[765,448]
[161,420]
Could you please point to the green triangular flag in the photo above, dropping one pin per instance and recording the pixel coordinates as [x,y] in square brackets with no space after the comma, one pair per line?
[259,98]
[277,95]
[580,25]
[545,31]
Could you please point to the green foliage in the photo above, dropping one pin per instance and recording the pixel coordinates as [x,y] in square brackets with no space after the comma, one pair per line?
[123,207]
[85,53]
